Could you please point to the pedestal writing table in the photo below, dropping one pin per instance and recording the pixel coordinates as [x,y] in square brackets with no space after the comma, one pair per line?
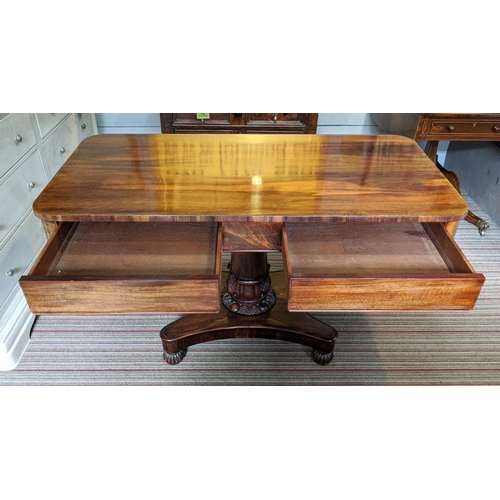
[139,224]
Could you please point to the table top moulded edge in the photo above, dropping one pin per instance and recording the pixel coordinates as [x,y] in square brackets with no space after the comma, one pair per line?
[249,178]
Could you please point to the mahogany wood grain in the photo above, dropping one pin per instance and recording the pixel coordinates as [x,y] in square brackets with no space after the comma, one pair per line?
[390,292]
[84,295]
[107,248]
[251,236]
[156,212]
[450,252]
[278,323]
[53,249]
[435,127]
[110,268]
[376,266]
[249,178]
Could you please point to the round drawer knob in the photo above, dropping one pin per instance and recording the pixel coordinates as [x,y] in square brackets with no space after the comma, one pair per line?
[451,128]
[496,128]
[62,150]
[19,138]
[31,184]
[10,272]
[84,126]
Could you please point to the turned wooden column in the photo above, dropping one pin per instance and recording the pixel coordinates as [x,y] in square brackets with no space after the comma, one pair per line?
[248,290]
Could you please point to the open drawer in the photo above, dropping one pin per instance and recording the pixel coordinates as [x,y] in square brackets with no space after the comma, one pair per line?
[371,266]
[121,267]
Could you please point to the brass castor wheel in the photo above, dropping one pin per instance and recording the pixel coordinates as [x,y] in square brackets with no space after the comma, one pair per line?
[482,225]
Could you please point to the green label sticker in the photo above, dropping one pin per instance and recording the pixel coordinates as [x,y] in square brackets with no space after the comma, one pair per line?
[203,116]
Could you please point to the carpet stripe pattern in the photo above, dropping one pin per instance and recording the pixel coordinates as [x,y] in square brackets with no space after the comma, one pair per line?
[382,348]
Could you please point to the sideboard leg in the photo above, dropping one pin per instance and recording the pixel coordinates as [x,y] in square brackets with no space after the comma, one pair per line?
[482,225]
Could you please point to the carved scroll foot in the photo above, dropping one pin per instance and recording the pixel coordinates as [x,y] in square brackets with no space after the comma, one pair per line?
[174,358]
[322,358]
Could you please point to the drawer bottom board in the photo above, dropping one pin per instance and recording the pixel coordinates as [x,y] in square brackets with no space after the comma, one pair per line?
[384,266]
[116,268]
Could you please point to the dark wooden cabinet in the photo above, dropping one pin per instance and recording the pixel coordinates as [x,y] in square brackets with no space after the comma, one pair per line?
[441,126]
[435,127]
[239,123]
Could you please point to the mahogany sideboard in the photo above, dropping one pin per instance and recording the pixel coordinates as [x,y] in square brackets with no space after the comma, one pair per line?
[435,127]
[140,223]
[239,123]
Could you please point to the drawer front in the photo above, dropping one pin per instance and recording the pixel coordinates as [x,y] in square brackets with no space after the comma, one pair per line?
[83,125]
[376,267]
[295,120]
[17,137]
[100,295]
[19,191]
[60,146]
[48,121]
[189,119]
[203,130]
[17,254]
[382,293]
[459,130]
[119,268]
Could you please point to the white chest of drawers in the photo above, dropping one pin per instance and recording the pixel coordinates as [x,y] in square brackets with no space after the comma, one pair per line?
[33,146]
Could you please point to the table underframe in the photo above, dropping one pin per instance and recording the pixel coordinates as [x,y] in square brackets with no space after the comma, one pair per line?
[251,308]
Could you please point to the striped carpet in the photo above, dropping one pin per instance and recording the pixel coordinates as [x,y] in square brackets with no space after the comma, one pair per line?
[448,348]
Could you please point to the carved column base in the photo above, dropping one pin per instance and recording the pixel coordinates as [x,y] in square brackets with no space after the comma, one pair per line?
[237,307]
[248,288]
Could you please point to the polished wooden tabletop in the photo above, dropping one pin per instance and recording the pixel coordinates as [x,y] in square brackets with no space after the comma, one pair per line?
[247,177]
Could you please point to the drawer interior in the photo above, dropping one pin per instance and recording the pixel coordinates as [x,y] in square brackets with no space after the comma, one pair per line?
[375,249]
[127,248]
[376,266]
[120,267]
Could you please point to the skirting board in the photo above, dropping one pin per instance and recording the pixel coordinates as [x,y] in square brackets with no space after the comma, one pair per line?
[16,322]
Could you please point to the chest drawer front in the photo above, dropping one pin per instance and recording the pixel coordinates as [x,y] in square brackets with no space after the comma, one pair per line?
[59,146]
[376,267]
[277,120]
[17,137]
[18,252]
[48,121]
[19,191]
[189,119]
[462,130]
[83,125]
[119,268]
